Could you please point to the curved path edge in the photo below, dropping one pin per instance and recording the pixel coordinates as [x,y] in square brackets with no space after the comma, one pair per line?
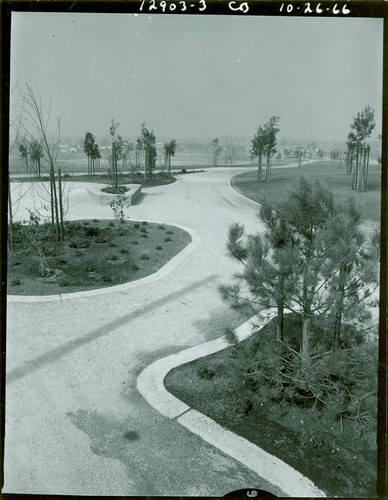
[150,383]
[163,271]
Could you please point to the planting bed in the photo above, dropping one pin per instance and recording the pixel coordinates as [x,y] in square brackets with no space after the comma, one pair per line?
[95,254]
[339,461]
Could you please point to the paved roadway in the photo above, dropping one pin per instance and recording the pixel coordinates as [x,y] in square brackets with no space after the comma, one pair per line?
[75,423]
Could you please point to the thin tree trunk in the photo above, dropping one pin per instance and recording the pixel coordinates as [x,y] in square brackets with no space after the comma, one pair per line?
[280,322]
[57,224]
[305,351]
[61,204]
[367,169]
[259,168]
[10,244]
[339,306]
[52,201]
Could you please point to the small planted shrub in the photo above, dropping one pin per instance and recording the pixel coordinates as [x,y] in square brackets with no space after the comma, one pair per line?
[112,244]
[206,373]
[145,223]
[145,256]
[143,230]
[135,267]
[167,239]
[92,231]
[184,171]
[113,257]
[118,206]
[96,220]
[61,262]
[85,223]
[112,190]
[79,253]
[144,235]
[124,250]
[107,279]
[134,242]
[123,233]
[100,239]
[89,269]
[16,263]
[159,247]
[111,224]
[78,243]
[161,226]
[169,232]
[15,282]
[63,282]
[136,225]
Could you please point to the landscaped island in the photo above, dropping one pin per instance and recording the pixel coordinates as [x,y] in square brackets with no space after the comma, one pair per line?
[94,254]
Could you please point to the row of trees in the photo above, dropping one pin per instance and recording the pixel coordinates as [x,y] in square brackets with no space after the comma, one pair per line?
[357,154]
[264,145]
[121,151]
[92,152]
[34,150]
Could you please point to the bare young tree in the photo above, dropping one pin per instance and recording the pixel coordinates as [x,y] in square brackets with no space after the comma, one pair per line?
[37,125]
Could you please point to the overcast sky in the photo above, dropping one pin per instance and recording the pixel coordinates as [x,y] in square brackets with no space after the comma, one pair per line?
[201,76]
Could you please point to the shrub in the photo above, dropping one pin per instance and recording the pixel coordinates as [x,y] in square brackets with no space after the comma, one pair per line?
[85,223]
[118,205]
[61,262]
[135,267]
[161,226]
[107,279]
[78,243]
[159,247]
[112,190]
[96,220]
[145,223]
[144,236]
[169,232]
[111,224]
[50,250]
[92,231]
[145,256]
[112,244]
[63,282]
[101,239]
[16,263]
[143,230]
[134,242]
[113,257]
[206,373]
[184,171]
[89,269]
[136,225]
[15,282]
[124,250]
[79,253]
[167,239]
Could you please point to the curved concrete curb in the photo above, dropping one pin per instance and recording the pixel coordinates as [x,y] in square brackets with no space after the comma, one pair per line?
[163,271]
[150,384]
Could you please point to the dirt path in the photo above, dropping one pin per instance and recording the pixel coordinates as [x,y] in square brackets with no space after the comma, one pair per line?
[75,423]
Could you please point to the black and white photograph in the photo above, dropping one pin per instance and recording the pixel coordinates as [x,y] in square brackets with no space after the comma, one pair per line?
[193,253]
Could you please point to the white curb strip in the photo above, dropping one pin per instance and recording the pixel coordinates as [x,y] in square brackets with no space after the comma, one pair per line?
[150,384]
[163,271]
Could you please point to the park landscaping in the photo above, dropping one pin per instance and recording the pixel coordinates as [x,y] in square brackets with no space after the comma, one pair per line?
[329,173]
[304,387]
[93,254]
[340,461]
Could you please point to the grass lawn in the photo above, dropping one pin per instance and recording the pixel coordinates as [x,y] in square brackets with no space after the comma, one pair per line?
[338,461]
[95,254]
[336,179]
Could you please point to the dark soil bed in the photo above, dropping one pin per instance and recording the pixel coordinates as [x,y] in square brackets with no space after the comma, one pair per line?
[337,464]
[95,254]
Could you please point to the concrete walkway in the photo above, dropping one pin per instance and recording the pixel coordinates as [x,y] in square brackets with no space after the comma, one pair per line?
[75,422]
